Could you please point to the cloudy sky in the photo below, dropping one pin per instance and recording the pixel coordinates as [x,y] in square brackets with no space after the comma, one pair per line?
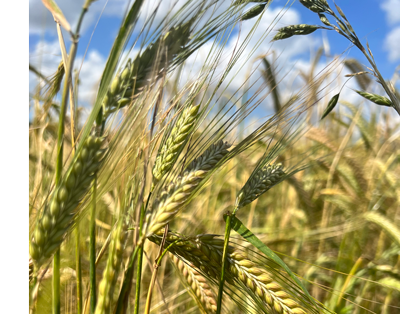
[377,21]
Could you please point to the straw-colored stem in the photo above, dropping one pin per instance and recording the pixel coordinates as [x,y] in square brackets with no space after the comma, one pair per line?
[157,263]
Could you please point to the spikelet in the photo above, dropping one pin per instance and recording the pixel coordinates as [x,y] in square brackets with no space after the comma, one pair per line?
[205,252]
[377,99]
[197,283]
[292,30]
[260,182]
[59,212]
[111,272]
[176,195]
[318,6]
[253,12]
[170,150]
[136,75]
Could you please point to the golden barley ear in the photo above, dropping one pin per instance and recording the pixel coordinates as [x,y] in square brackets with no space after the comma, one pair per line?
[197,283]
[205,253]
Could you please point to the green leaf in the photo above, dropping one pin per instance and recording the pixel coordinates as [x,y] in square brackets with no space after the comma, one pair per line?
[238,226]
[332,104]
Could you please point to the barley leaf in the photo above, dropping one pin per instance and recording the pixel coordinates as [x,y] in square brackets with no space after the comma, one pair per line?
[238,226]
[57,14]
[332,104]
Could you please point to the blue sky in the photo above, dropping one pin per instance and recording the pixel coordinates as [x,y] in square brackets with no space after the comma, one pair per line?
[378,21]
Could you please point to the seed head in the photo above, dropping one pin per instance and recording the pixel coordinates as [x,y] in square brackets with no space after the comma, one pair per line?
[260,182]
[60,211]
[169,152]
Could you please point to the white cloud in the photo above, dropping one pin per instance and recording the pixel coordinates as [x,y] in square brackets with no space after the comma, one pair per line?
[46,56]
[392,44]
[284,51]
[41,20]
[392,9]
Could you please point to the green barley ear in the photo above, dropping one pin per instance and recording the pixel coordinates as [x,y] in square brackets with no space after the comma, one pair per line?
[111,272]
[179,192]
[260,182]
[253,12]
[239,2]
[173,146]
[377,99]
[59,213]
[317,6]
[292,30]
[147,67]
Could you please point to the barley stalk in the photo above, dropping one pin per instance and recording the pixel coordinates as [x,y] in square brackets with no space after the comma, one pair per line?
[135,75]
[59,213]
[260,182]
[205,252]
[177,194]
[197,283]
[170,150]
[110,273]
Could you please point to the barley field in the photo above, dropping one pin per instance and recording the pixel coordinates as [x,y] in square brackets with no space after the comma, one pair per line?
[203,174]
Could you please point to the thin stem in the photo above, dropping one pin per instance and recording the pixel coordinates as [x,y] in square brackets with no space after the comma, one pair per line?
[352,272]
[78,272]
[92,248]
[140,259]
[126,282]
[154,275]
[126,285]
[60,151]
[56,283]
[228,227]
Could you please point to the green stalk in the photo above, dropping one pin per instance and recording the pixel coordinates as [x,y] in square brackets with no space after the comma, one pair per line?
[126,285]
[78,273]
[60,150]
[140,257]
[92,249]
[352,272]
[56,283]
[126,282]
[228,227]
